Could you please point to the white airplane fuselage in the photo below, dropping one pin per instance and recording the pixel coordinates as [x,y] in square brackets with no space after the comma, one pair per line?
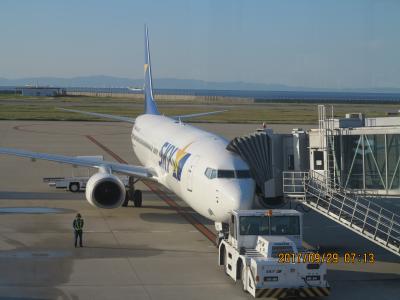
[180,155]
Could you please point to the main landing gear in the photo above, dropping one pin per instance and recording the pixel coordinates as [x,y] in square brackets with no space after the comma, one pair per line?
[133,195]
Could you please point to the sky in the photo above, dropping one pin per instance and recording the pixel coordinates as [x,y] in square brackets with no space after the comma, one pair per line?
[319,44]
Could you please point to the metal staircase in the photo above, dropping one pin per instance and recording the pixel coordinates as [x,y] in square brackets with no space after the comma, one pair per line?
[327,142]
[354,212]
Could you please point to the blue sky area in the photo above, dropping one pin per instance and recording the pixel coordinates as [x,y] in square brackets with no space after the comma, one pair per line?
[322,44]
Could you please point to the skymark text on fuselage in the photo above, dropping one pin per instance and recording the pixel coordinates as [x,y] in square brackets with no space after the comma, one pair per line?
[172,155]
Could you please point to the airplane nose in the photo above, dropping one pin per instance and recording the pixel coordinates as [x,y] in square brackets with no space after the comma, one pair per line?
[239,195]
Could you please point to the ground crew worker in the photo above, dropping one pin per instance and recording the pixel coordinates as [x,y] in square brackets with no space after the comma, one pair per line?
[78,227]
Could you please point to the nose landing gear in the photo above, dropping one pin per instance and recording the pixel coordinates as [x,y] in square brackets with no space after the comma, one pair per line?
[222,232]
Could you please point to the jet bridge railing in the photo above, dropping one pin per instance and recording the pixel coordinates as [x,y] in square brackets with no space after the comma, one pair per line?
[294,184]
[356,213]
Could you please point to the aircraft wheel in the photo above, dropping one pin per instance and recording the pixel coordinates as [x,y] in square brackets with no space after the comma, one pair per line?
[74,187]
[131,187]
[137,198]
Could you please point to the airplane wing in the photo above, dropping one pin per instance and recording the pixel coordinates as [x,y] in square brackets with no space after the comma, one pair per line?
[112,117]
[132,120]
[199,114]
[126,169]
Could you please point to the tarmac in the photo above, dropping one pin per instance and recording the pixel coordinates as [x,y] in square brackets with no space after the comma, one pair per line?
[153,252]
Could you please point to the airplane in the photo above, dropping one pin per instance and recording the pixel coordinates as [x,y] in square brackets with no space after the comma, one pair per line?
[192,163]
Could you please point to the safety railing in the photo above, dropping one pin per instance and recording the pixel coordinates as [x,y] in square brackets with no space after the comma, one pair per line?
[294,184]
[359,214]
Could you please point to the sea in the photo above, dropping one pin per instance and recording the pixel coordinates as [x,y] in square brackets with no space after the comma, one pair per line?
[259,96]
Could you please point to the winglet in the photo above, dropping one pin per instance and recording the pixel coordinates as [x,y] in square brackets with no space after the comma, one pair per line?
[150,106]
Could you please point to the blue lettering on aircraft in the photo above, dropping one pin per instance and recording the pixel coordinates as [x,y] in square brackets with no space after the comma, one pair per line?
[172,156]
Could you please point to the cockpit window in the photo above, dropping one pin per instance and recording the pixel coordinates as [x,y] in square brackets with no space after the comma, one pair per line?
[210,173]
[243,174]
[226,174]
[213,173]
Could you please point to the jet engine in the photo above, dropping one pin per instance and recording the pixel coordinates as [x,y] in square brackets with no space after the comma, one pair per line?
[105,190]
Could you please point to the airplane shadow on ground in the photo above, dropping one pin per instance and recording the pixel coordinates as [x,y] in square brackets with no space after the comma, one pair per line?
[363,285]
[163,207]
[57,265]
[11,195]
[23,298]
[173,218]
[329,236]
[132,252]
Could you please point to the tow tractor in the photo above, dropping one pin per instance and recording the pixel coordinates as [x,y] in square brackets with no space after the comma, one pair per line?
[263,249]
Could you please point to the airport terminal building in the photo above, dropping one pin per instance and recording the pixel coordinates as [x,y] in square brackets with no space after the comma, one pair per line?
[356,153]
[42,91]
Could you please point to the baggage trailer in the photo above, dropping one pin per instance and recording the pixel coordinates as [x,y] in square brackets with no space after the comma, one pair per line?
[263,249]
[75,183]
[72,184]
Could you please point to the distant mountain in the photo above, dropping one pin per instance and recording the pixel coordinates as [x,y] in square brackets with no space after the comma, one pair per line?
[102,81]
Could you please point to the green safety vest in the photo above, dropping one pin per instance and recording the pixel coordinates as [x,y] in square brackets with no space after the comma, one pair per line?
[78,224]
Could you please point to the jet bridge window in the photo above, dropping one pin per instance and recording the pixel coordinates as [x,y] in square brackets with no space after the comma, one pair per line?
[318,160]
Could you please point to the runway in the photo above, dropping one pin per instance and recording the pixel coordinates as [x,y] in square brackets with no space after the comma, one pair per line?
[160,251]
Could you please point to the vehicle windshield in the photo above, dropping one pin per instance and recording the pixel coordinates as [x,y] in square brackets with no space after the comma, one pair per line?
[254,225]
[285,225]
[265,225]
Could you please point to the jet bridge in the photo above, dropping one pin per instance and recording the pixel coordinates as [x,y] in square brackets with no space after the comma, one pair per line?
[255,149]
[268,154]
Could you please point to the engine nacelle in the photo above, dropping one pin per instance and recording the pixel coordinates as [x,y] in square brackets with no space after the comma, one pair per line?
[105,191]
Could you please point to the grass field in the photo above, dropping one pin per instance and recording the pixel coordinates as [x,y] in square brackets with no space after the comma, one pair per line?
[14,107]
